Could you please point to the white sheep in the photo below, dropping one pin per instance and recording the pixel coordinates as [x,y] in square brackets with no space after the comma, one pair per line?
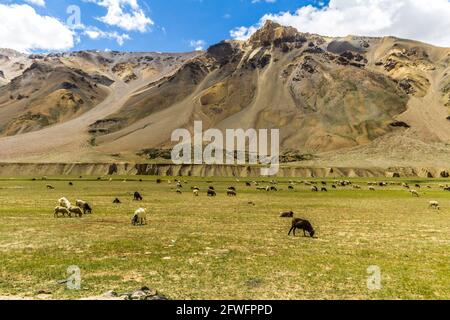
[61,210]
[83,205]
[75,210]
[195,192]
[139,217]
[414,193]
[63,202]
[434,205]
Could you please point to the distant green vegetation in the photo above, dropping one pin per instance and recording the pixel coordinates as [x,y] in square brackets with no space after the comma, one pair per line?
[225,248]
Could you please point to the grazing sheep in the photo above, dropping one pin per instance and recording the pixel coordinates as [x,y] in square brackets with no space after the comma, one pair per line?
[434,205]
[63,202]
[231,193]
[117,201]
[304,225]
[248,184]
[211,188]
[334,186]
[447,189]
[75,210]
[418,186]
[71,184]
[232,188]
[273,189]
[195,193]
[61,210]
[372,189]
[287,214]
[324,190]
[179,191]
[84,205]
[158,181]
[137,196]
[139,217]
[211,193]
[50,187]
[314,189]
[291,188]
[414,193]
[356,187]
[261,189]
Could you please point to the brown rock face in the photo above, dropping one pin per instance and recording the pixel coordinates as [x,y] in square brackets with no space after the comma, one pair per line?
[274,33]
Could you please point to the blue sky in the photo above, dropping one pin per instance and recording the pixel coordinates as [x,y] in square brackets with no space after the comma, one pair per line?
[186,25]
[178,25]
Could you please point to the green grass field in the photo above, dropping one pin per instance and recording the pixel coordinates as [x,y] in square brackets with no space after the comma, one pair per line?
[224,248]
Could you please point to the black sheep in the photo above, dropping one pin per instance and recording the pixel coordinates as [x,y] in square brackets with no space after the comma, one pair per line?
[304,225]
[211,193]
[137,196]
[287,214]
[117,201]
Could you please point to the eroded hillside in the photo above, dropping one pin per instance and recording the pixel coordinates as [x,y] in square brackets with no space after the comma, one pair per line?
[327,95]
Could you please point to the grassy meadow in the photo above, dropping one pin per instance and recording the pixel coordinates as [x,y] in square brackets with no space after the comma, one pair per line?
[222,247]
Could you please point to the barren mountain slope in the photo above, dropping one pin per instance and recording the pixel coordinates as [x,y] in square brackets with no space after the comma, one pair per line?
[331,97]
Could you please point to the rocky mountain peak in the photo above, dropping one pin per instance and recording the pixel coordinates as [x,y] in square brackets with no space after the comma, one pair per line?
[273,33]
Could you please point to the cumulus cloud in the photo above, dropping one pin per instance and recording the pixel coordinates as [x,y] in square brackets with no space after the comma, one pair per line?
[25,30]
[125,14]
[198,45]
[427,21]
[36,2]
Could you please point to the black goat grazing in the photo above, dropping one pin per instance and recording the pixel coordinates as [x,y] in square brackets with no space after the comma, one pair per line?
[231,193]
[291,188]
[137,196]
[211,188]
[71,183]
[287,214]
[302,224]
[314,189]
[334,187]
[418,186]
[324,190]
[248,184]
[273,189]
[232,188]
[211,193]
[158,181]
[117,201]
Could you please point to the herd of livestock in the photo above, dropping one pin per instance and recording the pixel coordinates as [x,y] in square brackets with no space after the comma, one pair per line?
[81,207]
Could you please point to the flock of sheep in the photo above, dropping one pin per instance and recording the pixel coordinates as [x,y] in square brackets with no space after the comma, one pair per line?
[65,208]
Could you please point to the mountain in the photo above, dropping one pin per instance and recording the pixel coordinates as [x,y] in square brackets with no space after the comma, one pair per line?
[353,101]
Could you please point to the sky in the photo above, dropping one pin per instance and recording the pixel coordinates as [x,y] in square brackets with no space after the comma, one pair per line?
[187,25]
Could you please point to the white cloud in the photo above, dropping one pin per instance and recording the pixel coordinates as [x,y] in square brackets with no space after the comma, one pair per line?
[95,33]
[36,2]
[125,14]
[427,21]
[24,30]
[198,45]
